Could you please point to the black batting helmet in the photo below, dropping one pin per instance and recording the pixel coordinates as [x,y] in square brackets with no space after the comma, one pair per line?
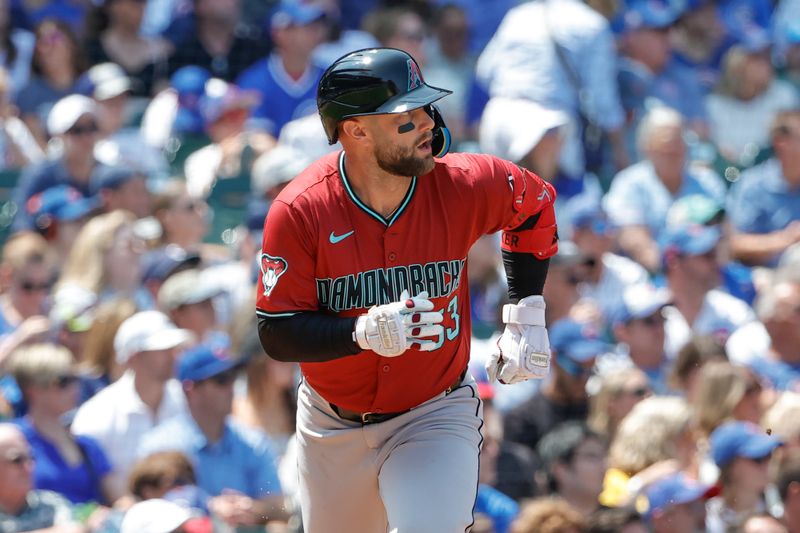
[375,81]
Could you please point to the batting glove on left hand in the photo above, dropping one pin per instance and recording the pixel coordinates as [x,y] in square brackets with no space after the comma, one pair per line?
[523,350]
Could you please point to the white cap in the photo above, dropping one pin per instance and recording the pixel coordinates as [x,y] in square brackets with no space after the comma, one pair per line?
[67,111]
[187,287]
[154,516]
[510,128]
[147,331]
[73,304]
[642,300]
[276,167]
[108,80]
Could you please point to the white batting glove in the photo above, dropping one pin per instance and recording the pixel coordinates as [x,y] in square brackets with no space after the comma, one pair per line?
[391,329]
[523,350]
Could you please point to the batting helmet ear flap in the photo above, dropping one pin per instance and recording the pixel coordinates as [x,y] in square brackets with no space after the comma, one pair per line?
[441,134]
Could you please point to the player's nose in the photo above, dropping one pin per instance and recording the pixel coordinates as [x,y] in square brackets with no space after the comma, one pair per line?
[422,119]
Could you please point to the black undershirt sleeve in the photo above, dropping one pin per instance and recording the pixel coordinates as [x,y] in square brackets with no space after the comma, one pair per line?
[307,337]
[525,274]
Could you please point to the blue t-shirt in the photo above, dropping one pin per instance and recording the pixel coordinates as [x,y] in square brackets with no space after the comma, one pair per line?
[79,484]
[500,508]
[781,376]
[283,99]
[241,460]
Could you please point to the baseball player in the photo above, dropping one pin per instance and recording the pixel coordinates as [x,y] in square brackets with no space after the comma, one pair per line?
[364,284]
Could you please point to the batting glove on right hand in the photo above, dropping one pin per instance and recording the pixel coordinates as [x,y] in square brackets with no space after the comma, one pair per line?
[523,350]
[391,329]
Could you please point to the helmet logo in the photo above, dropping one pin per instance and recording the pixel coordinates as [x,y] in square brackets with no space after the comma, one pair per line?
[414,77]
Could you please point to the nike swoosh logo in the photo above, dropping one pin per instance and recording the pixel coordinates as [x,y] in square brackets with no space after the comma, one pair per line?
[338,238]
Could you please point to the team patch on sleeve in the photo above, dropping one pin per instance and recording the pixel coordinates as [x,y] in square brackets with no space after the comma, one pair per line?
[272,268]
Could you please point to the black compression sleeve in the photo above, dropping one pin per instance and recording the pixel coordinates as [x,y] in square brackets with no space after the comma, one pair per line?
[525,274]
[307,337]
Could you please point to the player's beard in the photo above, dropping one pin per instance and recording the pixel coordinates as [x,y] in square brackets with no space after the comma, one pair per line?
[401,161]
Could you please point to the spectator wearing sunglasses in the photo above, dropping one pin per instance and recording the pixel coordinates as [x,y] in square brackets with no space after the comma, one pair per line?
[74,467]
[73,122]
[607,274]
[614,396]
[23,508]
[639,328]
[742,452]
[562,397]
[145,396]
[235,465]
[692,270]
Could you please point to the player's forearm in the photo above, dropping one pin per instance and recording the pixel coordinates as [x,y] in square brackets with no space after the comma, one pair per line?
[307,337]
[525,274]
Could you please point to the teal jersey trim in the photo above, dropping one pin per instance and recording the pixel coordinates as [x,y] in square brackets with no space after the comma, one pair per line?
[386,222]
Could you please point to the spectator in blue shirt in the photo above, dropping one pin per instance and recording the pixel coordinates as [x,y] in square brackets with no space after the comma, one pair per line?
[641,195]
[764,204]
[647,72]
[74,467]
[234,465]
[287,79]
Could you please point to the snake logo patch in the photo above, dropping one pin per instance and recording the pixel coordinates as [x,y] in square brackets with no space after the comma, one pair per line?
[414,76]
[272,268]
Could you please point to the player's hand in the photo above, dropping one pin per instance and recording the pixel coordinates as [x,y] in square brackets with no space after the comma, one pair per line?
[523,350]
[391,329]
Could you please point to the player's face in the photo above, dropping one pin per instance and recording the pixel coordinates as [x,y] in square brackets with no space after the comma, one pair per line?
[403,154]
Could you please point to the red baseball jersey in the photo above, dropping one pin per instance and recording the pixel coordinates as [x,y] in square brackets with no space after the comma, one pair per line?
[325,250]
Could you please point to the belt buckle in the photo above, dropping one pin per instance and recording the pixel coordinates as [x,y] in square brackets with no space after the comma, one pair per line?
[365,417]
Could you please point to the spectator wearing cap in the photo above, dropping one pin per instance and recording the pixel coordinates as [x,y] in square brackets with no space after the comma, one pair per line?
[641,195]
[186,297]
[607,274]
[73,120]
[114,36]
[161,263]
[71,314]
[742,452]
[235,465]
[122,187]
[18,146]
[764,204]
[161,516]
[574,457]
[287,79]
[273,170]
[639,327]
[586,60]
[575,347]
[675,504]
[787,481]
[529,134]
[221,172]
[58,214]
[174,112]
[647,73]
[57,62]
[692,271]
[23,508]
[778,309]
[145,396]
[75,467]
[221,42]
[120,144]
[747,99]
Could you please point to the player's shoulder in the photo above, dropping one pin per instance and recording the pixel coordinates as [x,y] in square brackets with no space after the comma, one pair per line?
[470,165]
[313,183]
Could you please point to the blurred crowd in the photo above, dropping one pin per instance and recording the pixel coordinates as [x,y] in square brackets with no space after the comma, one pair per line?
[142,141]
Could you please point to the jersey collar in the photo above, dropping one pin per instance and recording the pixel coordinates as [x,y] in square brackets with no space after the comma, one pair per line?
[386,222]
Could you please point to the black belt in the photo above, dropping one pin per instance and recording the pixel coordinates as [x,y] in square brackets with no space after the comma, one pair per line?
[376,418]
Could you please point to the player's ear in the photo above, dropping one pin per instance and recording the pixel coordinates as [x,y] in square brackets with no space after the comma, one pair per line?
[353,128]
